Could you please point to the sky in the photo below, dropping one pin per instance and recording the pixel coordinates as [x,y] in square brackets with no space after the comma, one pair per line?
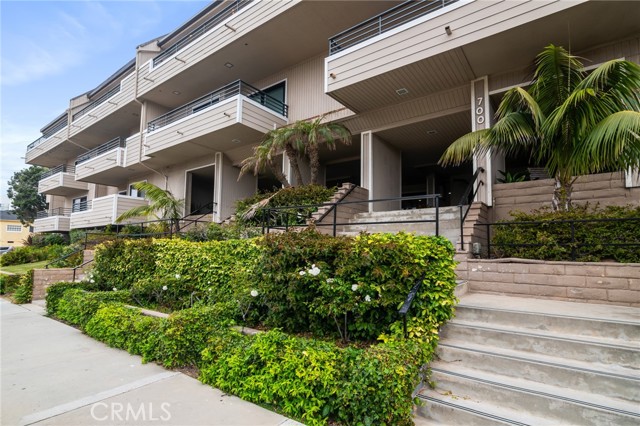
[52,51]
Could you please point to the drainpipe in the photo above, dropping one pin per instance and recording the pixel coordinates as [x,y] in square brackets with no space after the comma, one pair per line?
[143,120]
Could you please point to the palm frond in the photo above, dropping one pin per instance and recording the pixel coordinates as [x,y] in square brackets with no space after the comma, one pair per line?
[557,74]
[462,149]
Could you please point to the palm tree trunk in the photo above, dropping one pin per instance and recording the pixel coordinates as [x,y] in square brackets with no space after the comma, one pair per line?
[292,154]
[314,163]
[562,193]
[277,171]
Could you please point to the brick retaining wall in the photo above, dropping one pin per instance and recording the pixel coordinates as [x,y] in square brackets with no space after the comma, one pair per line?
[602,282]
[43,278]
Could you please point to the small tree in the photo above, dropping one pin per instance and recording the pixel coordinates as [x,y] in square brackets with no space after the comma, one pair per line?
[572,121]
[263,157]
[162,205]
[23,193]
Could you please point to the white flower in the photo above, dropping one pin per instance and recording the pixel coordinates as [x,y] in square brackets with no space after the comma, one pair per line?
[330,280]
[367,298]
[254,293]
[314,270]
[209,289]
[302,273]
[177,276]
[115,289]
[354,287]
[92,281]
[164,287]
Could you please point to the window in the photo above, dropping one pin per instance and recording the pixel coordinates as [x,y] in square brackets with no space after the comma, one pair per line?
[14,228]
[135,193]
[79,204]
[274,99]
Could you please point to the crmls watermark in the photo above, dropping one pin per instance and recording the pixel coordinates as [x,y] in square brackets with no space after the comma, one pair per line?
[117,411]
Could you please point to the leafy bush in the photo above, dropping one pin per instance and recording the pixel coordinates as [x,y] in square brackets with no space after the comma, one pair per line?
[57,290]
[317,381]
[552,240]
[30,254]
[69,257]
[126,328]
[49,239]
[78,306]
[354,286]
[120,263]
[24,291]
[171,292]
[9,283]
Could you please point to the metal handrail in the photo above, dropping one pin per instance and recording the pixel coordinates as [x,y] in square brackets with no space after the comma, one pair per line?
[238,87]
[82,207]
[48,132]
[59,211]
[213,22]
[404,309]
[464,200]
[310,208]
[384,22]
[114,143]
[208,206]
[96,103]
[62,168]
[571,243]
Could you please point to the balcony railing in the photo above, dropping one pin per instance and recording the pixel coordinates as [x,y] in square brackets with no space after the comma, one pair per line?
[236,88]
[105,147]
[94,104]
[63,168]
[228,11]
[60,211]
[81,207]
[48,132]
[392,18]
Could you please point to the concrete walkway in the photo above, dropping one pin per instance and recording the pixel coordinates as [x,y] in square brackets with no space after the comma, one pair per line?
[52,374]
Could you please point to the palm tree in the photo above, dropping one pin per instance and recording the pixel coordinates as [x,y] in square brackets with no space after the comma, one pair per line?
[310,135]
[162,205]
[572,121]
[263,157]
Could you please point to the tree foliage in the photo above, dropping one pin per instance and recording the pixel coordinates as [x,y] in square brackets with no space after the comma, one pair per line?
[572,121]
[162,204]
[23,193]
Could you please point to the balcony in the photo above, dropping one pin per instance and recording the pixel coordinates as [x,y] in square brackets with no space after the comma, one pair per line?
[55,220]
[111,114]
[235,115]
[104,164]
[48,150]
[420,48]
[60,180]
[103,211]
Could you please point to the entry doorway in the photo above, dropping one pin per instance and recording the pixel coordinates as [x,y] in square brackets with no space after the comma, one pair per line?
[200,190]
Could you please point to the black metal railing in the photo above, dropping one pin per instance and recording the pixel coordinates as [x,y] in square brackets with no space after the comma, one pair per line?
[213,22]
[230,90]
[467,198]
[81,207]
[62,168]
[94,104]
[48,132]
[201,212]
[59,211]
[392,18]
[404,309]
[102,149]
[291,217]
[568,236]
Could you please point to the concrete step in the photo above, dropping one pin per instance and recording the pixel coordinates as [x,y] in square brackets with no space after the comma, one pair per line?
[538,400]
[444,213]
[610,380]
[590,350]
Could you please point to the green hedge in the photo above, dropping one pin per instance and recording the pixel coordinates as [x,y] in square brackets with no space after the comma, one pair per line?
[77,306]
[552,239]
[24,291]
[9,283]
[317,381]
[30,254]
[57,290]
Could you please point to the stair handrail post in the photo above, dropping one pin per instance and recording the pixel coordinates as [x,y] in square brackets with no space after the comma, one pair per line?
[263,221]
[461,228]
[488,240]
[573,240]
[437,214]
[335,218]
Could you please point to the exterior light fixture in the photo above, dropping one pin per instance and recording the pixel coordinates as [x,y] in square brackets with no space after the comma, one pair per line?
[228,65]
[432,132]
[235,140]
[175,92]
[447,29]
[402,91]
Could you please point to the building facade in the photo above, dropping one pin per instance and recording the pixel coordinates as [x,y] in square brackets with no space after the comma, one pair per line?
[12,231]
[407,79]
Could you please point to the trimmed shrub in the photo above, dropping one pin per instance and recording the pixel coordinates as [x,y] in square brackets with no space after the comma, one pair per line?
[57,290]
[30,254]
[78,306]
[120,263]
[551,240]
[9,283]
[24,291]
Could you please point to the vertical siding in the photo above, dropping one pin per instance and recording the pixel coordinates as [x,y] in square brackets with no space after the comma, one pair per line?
[305,91]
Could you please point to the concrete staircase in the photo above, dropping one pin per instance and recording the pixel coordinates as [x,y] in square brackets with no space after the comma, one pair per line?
[449,222]
[519,361]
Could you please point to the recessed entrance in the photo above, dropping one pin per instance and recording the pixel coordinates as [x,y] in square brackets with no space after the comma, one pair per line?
[200,190]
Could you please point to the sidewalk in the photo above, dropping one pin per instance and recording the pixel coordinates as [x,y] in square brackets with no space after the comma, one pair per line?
[52,374]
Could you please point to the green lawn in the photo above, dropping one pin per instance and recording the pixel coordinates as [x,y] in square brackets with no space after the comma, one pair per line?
[21,269]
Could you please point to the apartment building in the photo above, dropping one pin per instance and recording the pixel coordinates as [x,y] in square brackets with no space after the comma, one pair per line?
[407,79]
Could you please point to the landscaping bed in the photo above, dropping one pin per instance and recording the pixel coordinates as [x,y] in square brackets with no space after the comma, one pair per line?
[321,301]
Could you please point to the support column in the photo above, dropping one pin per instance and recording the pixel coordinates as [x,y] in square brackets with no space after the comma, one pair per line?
[482,118]
[228,188]
[380,172]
